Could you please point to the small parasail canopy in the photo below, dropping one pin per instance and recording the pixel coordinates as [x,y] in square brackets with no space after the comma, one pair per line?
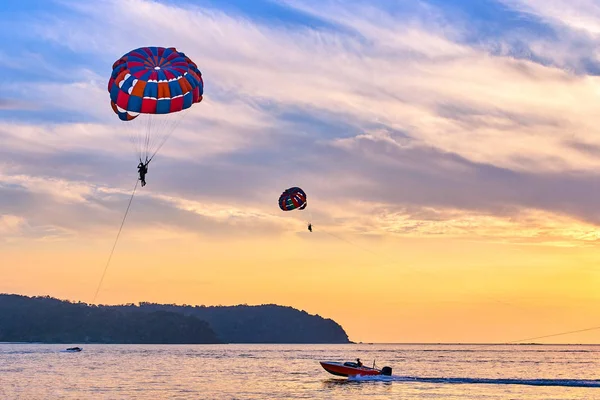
[292,199]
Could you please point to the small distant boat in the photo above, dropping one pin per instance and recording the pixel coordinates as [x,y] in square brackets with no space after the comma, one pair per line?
[74,349]
[349,368]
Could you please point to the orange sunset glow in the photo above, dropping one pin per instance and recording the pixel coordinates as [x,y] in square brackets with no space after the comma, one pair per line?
[452,185]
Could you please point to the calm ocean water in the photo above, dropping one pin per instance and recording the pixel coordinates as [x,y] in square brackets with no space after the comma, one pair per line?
[40,371]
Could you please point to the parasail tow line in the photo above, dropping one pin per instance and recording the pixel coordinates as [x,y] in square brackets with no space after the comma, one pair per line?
[116,240]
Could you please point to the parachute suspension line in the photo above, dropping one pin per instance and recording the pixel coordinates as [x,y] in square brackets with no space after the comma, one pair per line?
[354,244]
[310,218]
[388,261]
[148,133]
[594,328]
[556,334]
[133,137]
[149,124]
[115,243]
[170,131]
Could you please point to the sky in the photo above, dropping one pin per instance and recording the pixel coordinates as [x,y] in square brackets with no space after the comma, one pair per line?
[449,150]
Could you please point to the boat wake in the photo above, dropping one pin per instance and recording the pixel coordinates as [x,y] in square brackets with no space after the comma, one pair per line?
[497,381]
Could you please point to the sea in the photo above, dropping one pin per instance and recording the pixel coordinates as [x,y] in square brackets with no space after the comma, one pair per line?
[285,371]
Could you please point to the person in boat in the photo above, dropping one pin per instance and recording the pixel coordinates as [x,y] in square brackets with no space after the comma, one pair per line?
[310,227]
[358,362]
[143,170]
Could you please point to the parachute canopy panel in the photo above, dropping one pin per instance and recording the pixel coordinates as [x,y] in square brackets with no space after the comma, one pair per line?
[154,80]
[292,199]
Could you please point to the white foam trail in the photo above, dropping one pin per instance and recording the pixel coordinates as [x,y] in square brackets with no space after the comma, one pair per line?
[496,381]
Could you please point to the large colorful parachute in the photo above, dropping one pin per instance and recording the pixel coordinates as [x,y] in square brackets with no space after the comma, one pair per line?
[292,199]
[155,82]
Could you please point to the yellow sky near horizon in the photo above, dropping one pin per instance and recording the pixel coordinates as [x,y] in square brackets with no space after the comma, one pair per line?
[392,290]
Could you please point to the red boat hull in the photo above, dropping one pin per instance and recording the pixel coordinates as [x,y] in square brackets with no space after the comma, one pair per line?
[339,369]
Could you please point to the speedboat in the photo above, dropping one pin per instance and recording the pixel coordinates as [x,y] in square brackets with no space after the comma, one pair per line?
[74,349]
[349,368]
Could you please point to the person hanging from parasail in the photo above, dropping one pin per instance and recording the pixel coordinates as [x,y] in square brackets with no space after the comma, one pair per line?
[143,170]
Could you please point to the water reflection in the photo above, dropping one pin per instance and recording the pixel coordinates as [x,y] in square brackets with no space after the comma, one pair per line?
[266,372]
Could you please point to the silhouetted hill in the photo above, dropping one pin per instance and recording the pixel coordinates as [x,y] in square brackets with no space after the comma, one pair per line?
[49,320]
[45,319]
[268,323]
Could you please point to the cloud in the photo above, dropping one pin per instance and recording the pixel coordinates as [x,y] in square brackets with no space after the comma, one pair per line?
[66,208]
[580,14]
[525,226]
[6,104]
[10,225]
[573,39]
[371,116]
[14,228]
[394,82]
